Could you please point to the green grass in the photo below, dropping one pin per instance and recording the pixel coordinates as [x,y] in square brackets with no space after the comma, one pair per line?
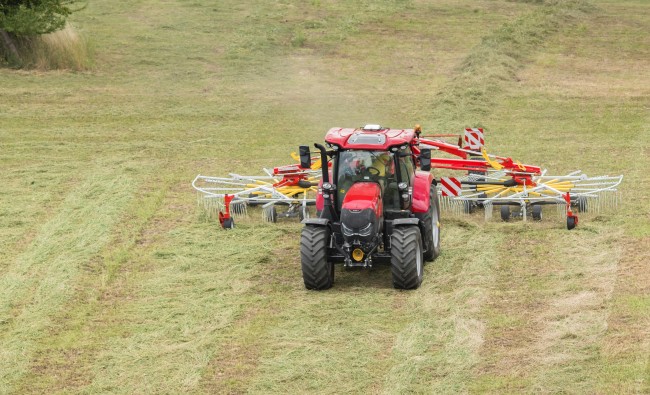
[113,281]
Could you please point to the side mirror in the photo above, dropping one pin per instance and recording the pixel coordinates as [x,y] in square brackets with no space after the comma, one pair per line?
[305,157]
[425,159]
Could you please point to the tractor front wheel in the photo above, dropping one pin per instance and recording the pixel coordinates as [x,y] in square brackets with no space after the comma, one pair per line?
[406,257]
[317,272]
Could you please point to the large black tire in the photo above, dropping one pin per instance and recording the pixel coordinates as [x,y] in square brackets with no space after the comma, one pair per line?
[537,212]
[406,258]
[431,221]
[317,272]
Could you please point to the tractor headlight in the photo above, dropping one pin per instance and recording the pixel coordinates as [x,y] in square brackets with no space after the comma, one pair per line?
[402,186]
[366,230]
[327,186]
[346,231]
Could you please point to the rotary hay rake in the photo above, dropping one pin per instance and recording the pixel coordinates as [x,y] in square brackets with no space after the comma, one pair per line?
[489,181]
[500,181]
[227,197]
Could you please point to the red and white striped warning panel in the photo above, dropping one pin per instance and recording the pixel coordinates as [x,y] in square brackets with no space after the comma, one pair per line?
[450,186]
[474,138]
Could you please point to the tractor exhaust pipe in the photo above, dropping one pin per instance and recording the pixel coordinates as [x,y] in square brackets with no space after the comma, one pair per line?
[328,188]
[324,167]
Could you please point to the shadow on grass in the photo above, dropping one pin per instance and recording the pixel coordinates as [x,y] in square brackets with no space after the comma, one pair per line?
[378,277]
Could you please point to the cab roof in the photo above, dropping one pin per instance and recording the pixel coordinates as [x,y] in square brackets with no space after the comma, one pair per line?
[369,137]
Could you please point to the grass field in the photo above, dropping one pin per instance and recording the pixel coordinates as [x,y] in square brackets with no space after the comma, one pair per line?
[112,282]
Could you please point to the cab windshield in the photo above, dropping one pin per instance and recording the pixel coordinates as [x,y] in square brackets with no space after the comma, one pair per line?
[364,166]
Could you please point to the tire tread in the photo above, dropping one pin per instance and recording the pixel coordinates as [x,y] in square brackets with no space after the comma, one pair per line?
[403,257]
[317,272]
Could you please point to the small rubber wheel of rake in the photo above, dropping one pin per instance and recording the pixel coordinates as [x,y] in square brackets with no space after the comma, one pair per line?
[570,222]
[537,212]
[228,223]
[253,202]
[505,213]
[303,213]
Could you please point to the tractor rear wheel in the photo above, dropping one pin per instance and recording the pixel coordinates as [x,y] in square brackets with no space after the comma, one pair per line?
[317,272]
[431,221]
[406,257]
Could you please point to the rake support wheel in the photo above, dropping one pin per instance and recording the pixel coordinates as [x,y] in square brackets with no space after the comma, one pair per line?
[303,213]
[468,207]
[571,222]
[317,272]
[228,223]
[505,213]
[406,257]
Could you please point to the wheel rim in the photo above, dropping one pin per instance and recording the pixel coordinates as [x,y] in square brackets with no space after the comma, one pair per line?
[418,260]
[435,229]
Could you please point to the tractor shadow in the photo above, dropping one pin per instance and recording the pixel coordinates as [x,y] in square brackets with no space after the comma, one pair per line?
[378,277]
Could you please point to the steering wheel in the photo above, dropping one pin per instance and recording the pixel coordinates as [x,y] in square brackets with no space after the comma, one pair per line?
[373,171]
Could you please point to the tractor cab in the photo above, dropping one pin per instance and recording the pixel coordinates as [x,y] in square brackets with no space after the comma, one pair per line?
[373,154]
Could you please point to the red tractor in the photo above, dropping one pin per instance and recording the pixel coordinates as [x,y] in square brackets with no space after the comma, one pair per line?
[374,206]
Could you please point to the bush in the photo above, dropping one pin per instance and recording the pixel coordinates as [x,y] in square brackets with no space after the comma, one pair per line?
[63,49]
[33,34]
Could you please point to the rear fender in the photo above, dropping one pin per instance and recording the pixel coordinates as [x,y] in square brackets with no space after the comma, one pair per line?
[405,222]
[422,191]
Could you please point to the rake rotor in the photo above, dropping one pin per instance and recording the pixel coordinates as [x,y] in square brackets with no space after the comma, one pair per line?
[500,181]
[291,186]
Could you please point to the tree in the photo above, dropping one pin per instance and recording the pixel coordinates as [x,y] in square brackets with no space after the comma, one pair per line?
[25,18]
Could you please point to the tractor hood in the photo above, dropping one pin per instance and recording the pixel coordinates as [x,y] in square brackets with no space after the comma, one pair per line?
[362,196]
[361,213]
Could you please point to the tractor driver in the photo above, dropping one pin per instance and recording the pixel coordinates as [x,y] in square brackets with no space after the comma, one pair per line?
[365,165]
[355,166]
[384,163]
